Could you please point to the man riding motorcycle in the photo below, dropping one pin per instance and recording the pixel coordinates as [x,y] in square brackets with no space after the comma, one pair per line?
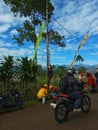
[72,86]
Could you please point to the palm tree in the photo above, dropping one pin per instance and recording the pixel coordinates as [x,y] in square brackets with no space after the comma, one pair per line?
[6,72]
[24,71]
[79,59]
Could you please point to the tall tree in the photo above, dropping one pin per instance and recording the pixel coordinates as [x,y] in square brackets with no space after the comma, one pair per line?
[35,12]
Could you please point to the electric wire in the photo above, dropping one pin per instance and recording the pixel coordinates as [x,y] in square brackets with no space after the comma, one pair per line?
[90,49]
[72,34]
[84,21]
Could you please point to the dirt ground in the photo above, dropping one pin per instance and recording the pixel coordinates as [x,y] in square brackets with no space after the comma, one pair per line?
[41,117]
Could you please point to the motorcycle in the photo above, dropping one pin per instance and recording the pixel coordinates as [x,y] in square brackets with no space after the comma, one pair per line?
[16,100]
[63,104]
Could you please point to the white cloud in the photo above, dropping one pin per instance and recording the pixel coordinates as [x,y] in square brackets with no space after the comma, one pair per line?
[90,62]
[3,36]
[74,19]
[6,44]
[18,52]
[4,28]
[5,18]
[82,15]
[13,32]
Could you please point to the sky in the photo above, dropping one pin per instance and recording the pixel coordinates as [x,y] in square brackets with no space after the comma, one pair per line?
[71,18]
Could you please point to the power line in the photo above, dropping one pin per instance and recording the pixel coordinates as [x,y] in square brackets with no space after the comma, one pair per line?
[62,26]
[77,22]
[66,29]
[72,34]
[90,49]
[84,21]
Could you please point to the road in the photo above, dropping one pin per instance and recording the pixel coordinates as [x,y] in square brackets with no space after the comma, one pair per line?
[40,117]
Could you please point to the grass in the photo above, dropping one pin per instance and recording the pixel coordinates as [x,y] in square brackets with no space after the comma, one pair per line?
[31,102]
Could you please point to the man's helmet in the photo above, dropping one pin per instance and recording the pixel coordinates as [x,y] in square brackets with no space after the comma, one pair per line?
[49,66]
[71,71]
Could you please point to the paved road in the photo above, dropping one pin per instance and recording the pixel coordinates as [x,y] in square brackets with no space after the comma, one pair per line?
[40,117]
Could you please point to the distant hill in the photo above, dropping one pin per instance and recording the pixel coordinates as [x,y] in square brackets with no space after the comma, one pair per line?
[90,68]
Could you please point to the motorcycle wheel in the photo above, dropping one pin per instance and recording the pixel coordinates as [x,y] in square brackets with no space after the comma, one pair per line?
[21,104]
[86,104]
[61,112]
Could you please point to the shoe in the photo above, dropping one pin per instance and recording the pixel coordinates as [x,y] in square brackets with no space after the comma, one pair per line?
[77,110]
[53,105]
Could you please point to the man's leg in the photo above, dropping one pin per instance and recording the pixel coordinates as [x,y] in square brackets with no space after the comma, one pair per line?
[78,99]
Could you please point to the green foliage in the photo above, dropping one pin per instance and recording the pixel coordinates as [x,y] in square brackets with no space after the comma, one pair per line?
[27,32]
[31,91]
[82,69]
[6,68]
[6,72]
[29,8]
[60,70]
[35,10]
[42,79]
[55,38]
[31,102]
[23,70]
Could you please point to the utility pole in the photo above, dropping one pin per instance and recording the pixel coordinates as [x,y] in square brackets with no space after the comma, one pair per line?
[47,42]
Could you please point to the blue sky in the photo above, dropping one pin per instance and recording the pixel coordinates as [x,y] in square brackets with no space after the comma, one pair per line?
[73,19]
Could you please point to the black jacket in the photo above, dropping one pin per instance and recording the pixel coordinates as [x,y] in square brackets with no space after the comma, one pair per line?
[73,84]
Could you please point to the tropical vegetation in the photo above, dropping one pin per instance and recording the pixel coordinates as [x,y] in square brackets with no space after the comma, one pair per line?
[23,73]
